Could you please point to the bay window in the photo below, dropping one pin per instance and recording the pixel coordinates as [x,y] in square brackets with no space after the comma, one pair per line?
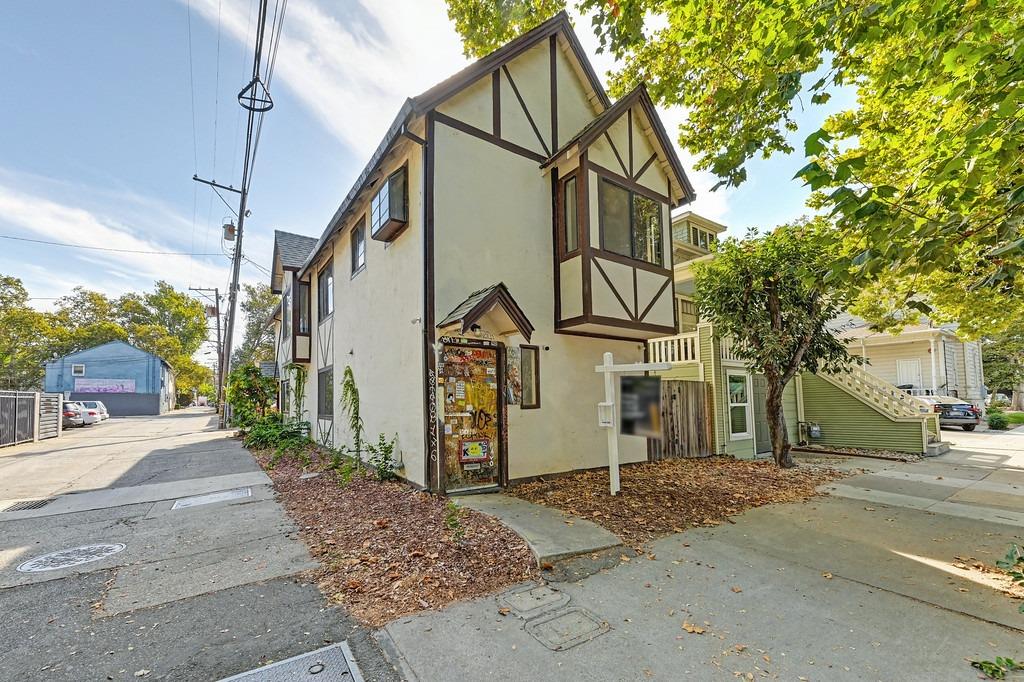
[630,223]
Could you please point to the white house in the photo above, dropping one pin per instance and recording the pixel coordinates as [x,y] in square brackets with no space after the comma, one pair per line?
[511,227]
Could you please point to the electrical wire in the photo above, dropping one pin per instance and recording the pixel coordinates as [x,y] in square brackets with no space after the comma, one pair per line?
[104,248]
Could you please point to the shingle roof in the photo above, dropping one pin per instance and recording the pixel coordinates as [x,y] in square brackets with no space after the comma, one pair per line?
[293,248]
[480,302]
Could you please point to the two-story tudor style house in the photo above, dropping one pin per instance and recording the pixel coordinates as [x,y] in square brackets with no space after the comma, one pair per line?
[512,226]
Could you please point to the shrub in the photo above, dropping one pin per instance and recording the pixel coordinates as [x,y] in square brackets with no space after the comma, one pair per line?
[250,395]
[270,431]
[453,521]
[997,421]
[382,457]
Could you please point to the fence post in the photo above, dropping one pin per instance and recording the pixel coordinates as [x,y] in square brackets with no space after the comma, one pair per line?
[35,417]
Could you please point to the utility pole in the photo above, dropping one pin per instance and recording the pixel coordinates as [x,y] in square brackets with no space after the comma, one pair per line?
[220,347]
[255,99]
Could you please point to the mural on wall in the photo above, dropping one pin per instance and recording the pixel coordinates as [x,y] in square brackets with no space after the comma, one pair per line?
[469,379]
[104,385]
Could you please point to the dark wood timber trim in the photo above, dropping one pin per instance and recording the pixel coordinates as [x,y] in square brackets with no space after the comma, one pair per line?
[522,103]
[486,136]
[622,302]
[630,184]
[583,216]
[654,300]
[629,127]
[556,236]
[636,303]
[536,405]
[431,454]
[645,166]
[632,262]
[496,103]
[615,150]
[553,55]
[626,324]
[594,335]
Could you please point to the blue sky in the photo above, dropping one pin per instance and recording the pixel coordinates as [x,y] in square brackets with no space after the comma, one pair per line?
[98,147]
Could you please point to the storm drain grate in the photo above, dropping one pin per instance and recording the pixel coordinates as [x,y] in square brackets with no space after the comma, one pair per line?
[333,663]
[66,558]
[26,505]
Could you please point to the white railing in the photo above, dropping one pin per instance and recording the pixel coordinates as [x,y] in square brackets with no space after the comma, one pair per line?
[918,391]
[880,393]
[728,353]
[678,349]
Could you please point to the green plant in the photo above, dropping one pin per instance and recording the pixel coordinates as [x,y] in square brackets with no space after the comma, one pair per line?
[250,395]
[298,375]
[997,421]
[996,670]
[382,457]
[350,406]
[270,431]
[1013,564]
[453,520]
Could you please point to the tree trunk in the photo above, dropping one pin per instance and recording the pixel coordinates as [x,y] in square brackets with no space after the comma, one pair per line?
[777,424]
[1017,401]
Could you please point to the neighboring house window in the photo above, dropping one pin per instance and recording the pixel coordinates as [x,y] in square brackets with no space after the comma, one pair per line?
[389,208]
[286,314]
[325,291]
[739,404]
[702,238]
[78,370]
[529,370]
[570,223]
[630,223]
[325,393]
[359,246]
[302,302]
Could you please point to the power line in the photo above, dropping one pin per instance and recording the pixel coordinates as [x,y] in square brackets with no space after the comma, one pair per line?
[103,248]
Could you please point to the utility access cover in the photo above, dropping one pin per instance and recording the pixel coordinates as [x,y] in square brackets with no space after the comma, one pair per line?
[66,558]
[330,664]
[532,600]
[210,498]
[565,629]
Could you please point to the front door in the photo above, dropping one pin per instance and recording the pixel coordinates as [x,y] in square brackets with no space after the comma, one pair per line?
[908,373]
[760,397]
[470,378]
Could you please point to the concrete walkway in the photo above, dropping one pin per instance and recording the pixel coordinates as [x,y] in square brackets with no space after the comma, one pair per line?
[551,534]
[206,583]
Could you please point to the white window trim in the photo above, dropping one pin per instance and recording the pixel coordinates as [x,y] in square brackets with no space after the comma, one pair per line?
[748,434]
[74,366]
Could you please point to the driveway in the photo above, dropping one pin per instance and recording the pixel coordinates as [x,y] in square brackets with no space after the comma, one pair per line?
[874,585]
[206,584]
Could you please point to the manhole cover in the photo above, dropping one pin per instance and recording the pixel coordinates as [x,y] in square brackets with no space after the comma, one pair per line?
[210,498]
[532,600]
[330,664]
[27,505]
[66,558]
[565,629]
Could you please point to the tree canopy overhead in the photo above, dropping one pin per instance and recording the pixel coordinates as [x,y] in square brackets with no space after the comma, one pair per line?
[923,176]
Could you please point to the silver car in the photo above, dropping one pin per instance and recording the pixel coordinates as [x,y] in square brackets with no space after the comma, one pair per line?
[100,408]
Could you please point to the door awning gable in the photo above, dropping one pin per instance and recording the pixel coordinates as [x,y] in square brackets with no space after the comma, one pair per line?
[480,304]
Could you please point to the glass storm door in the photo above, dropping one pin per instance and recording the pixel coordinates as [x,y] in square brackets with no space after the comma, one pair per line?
[472,417]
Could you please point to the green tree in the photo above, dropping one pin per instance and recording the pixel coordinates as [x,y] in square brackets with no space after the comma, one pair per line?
[767,293]
[250,394]
[257,304]
[923,174]
[25,338]
[1003,360]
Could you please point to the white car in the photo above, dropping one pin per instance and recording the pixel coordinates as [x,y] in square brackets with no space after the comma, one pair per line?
[89,415]
[99,407]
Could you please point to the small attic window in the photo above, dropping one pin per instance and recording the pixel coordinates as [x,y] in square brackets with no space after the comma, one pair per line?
[389,208]
[78,370]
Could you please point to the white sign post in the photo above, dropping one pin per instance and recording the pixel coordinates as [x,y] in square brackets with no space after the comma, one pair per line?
[606,410]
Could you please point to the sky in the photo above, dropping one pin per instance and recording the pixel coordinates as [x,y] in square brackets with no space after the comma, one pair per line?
[109,107]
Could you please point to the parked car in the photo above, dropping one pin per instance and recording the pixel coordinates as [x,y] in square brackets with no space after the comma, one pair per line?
[954,411]
[89,415]
[99,407]
[71,415]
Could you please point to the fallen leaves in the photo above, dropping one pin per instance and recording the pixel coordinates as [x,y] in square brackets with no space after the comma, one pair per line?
[693,629]
[737,589]
[658,498]
[826,575]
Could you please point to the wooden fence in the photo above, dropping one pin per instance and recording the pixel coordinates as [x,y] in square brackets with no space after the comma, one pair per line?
[685,421]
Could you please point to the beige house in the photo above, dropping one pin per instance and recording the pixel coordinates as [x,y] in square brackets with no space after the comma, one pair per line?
[923,360]
[511,227]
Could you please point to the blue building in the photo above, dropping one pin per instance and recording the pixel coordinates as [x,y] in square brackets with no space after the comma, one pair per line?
[128,380]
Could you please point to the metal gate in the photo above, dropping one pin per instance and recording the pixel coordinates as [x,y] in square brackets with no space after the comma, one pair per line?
[685,421]
[49,414]
[17,417]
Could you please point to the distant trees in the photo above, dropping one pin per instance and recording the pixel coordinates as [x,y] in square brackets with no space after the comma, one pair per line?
[258,304]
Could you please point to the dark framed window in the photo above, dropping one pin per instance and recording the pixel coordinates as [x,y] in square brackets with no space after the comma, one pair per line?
[389,207]
[529,371]
[325,291]
[302,305]
[359,246]
[631,223]
[77,370]
[569,217]
[325,393]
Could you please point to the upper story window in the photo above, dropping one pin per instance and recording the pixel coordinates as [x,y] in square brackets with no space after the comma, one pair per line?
[286,314]
[702,238]
[630,223]
[78,370]
[389,208]
[359,246]
[569,218]
[325,292]
[302,303]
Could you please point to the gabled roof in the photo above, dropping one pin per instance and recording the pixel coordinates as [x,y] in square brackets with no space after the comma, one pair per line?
[290,252]
[425,101]
[110,343]
[593,130]
[479,303]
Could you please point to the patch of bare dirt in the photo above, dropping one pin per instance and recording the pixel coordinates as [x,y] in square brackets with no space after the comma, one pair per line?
[860,452]
[386,551]
[659,498]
